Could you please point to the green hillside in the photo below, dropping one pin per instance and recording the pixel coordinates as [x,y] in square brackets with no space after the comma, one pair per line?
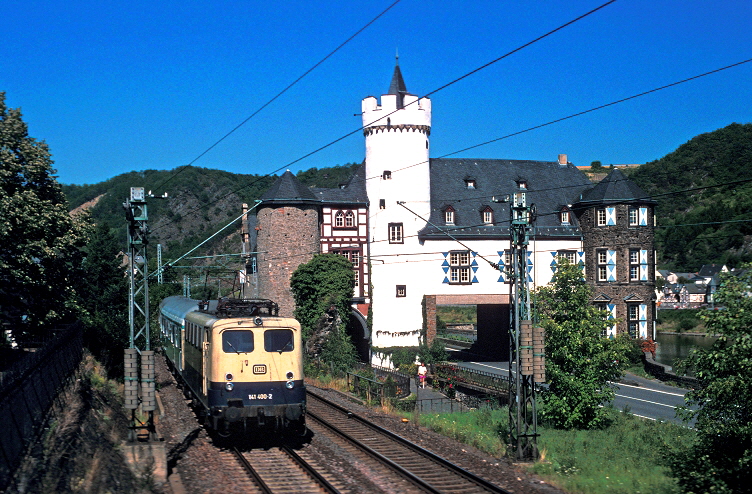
[710,224]
[713,223]
[199,202]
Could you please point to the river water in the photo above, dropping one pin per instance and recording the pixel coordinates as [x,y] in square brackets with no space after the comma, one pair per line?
[677,346]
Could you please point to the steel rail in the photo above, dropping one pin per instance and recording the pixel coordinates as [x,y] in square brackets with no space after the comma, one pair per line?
[310,470]
[249,468]
[375,454]
[470,477]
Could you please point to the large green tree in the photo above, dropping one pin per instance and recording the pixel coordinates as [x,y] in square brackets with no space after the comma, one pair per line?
[580,362]
[721,458]
[323,288]
[39,239]
[103,290]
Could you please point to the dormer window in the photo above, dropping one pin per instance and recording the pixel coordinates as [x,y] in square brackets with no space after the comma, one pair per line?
[387,175]
[564,216]
[487,215]
[449,216]
[522,184]
[470,183]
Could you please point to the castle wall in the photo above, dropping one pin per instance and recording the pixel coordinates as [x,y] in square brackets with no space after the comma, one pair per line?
[287,236]
[621,238]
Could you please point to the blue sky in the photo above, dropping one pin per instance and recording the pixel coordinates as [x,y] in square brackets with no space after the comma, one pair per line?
[120,86]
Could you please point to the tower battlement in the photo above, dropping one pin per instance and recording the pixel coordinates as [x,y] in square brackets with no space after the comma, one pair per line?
[412,111]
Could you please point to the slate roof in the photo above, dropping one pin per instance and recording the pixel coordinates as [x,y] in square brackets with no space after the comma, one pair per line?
[397,85]
[549,186]
[288,190]
[615,189]
[353,192]
[710,270]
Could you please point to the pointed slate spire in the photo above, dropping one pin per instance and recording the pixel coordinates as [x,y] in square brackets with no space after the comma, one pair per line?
[288,189]
[397,86]
[615,188]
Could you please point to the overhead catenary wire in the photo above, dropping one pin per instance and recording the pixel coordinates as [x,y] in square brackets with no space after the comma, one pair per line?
[489,141]
[440,88]
[276,96]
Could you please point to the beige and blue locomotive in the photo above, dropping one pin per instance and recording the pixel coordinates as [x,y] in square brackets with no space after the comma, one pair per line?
[241,363]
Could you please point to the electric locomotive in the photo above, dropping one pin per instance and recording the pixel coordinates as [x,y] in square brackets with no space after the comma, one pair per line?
[241,363]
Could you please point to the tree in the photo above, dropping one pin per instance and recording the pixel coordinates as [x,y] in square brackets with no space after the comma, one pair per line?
[596,166]
[104,294]
[580,362]
[39,239]
[720,460]
[322,289]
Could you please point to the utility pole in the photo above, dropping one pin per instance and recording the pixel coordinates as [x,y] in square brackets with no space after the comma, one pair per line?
[138,318]
[524,339]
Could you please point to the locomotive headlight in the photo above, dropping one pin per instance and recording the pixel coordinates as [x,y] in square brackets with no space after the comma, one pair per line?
[229,386]
[290,375]
[228,377]
[289,384]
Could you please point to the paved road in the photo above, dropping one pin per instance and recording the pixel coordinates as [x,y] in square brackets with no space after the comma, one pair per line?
[642,397]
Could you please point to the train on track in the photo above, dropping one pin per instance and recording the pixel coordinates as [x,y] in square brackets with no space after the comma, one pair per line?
[240,363]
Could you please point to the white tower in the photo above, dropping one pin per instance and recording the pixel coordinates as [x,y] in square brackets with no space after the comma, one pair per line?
[397,169]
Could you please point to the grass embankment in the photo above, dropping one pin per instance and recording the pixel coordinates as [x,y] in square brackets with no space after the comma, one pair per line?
[455,314]
[625,457]
[680,321]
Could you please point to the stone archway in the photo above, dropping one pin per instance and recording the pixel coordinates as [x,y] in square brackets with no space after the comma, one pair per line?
[493,322]
[357,329]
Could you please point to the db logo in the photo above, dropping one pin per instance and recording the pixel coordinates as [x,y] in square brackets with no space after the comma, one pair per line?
[259,369]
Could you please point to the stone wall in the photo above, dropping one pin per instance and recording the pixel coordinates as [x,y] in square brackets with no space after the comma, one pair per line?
[620,237]
[665,373]
[287,236]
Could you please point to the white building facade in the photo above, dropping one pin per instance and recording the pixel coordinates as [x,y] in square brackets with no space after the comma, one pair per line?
[434,228]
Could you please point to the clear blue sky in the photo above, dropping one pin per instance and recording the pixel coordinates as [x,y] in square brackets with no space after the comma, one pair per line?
[120,86]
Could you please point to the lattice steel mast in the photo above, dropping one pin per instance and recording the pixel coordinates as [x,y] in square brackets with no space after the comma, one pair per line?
[523,419]
[138,319]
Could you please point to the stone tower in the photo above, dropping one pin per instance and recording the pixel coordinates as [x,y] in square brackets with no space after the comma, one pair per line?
[616,218]
[287,235]
[397,170]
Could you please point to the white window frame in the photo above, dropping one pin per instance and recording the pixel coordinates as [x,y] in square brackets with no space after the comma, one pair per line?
[564,217]
[339,219]
[488,217]
[633,320]
[634,219]
[449,216]
[396,233]
[600,217]
[601,257]
[349,219]
[459,267]
[569,255]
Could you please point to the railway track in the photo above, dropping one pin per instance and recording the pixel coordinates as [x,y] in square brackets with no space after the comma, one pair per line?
[282,470]
[422,469]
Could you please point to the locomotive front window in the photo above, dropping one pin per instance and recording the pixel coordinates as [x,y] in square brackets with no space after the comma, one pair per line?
[237,341]
[278,340]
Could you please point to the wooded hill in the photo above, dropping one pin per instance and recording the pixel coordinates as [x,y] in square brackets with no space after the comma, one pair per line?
[199,202]
[704,194]
[703,189]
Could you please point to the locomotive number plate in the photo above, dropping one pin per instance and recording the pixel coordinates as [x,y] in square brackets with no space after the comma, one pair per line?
[262,396]
[259,369]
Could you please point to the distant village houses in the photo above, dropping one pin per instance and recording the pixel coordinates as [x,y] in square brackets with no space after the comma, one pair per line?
[689,290]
